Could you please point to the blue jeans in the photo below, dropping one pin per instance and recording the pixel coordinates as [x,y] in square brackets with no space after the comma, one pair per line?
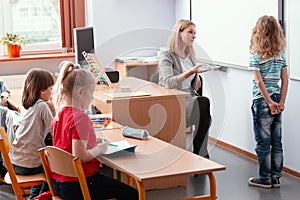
[267,131]
[35,190]
[100,187]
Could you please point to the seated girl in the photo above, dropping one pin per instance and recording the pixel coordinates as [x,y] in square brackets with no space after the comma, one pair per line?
[73,132]
[34,126]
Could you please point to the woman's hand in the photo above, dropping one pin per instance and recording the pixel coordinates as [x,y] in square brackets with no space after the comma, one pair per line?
[201,68]
[194,70]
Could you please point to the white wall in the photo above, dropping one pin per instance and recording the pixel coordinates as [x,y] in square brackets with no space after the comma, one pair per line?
[291,135]
[294,31]
[131,26]
[230,95]
[89,13]
[182,9]
[290,127]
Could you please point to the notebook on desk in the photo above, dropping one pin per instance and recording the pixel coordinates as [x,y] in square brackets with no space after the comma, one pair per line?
[127,94]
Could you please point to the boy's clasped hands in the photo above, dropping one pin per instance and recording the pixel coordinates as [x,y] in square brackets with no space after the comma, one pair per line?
[276,108]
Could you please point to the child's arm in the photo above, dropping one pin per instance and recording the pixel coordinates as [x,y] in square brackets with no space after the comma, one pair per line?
[261,86]
[284,86]
[79,149]
[51,106]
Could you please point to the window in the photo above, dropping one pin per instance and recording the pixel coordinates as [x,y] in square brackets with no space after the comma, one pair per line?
[38,21]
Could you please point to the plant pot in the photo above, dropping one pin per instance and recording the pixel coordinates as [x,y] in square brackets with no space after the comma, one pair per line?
[13,50]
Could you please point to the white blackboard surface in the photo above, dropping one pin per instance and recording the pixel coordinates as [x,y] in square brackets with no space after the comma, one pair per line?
[294,39]
[224,27]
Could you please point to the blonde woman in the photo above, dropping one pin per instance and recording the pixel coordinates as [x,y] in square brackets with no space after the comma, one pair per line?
[178,70]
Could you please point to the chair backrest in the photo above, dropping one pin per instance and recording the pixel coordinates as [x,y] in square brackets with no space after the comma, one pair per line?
[4,136]
[154,77]
[4,148]
[3,113]
[62,162]
[18,184]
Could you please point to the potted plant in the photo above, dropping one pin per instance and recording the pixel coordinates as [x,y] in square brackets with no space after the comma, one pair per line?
[13,42]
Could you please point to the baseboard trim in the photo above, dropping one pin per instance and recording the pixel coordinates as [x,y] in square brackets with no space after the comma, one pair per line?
[249,155]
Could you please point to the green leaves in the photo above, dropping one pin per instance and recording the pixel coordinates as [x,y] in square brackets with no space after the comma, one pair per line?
[11,38]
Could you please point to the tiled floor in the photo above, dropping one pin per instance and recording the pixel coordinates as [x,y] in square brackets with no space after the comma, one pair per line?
[231,184]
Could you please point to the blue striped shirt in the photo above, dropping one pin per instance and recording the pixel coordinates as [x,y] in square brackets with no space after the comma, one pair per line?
[270,70]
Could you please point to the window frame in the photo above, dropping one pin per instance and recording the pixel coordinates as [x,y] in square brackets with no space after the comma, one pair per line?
[38,48]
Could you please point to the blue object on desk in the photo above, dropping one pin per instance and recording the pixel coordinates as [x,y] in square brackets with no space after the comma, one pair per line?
[135,133]
[103,80]
[99,120]
[131,149]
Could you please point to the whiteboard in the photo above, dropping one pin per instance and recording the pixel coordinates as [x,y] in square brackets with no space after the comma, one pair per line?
[294,39]
[224,27]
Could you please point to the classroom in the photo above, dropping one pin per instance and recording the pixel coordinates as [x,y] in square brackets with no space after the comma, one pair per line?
[139,30]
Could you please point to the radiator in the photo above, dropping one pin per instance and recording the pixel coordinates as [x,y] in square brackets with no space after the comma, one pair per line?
[13,81]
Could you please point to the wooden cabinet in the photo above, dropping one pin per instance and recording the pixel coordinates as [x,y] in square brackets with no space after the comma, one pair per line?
[137,69]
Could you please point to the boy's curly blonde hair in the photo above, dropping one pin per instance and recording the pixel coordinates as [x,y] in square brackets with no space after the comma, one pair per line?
[267,38]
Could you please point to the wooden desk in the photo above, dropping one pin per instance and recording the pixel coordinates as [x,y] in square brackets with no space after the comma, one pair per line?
[113,125]
[138,69]
[162,113]
[156,162]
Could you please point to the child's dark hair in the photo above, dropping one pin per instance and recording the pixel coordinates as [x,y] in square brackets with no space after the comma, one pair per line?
[36,81]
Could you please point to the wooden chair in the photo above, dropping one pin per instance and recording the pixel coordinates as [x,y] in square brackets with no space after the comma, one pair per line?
[19,183]
[154,78]
[62,162]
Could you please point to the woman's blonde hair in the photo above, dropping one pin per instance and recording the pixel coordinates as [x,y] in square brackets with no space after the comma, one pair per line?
[174,39]
[36,80]
[70,78]
[267,38]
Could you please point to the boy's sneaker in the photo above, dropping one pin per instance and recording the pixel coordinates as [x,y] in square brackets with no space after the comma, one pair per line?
[276,183]
[258,183]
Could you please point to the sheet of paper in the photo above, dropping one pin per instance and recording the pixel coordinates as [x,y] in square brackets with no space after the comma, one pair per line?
[114,147]
[127,94]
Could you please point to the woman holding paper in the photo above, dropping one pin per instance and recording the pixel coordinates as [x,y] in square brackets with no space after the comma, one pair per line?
[178,70]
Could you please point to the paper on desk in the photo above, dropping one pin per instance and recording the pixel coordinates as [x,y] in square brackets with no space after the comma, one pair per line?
[127,94]
[114,147]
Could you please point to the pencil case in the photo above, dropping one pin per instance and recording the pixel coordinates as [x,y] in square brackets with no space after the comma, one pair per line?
[135,133]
